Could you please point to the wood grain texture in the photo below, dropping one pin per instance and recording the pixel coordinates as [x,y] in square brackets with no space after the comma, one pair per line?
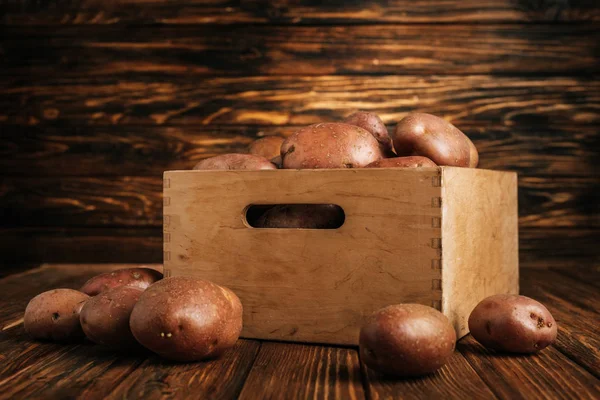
[297,371]
[546,374]
[311,285]
[123,51]
[455,380]
[577,326]
[480,243]
[297,100]
[548,202]
[31,12]
[54,149]
[559,248]
[78,245]
[222,378]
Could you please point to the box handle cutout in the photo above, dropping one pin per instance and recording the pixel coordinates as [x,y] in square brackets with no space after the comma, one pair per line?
[294,216]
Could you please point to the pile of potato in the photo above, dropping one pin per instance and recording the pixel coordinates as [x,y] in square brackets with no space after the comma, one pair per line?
[360,141]
[182,319]
[187,319]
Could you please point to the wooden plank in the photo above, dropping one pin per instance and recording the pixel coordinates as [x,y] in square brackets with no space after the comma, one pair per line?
[577,327]
[545,202]
[53,149]
[117,50]
[222,378]
[92,244]
[297,100]
[548,374]
[314,285]
[31,12]
[456,380]
[588,276]
[304,371]
[572,249]
[479,242]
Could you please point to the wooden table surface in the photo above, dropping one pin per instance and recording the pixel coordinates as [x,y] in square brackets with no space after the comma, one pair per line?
[260,369]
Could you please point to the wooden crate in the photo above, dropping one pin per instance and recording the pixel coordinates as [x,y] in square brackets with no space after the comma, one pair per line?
[444,237]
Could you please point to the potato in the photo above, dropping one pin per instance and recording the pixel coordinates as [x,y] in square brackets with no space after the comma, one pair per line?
[277,161]
[406,340]
[138,277]
[105,318]
[330,145]
[403,162]
[187,319]
[307,216]
[373,124]
[54,315]
[235,161]
[512,323]
[420,134]
[268,147]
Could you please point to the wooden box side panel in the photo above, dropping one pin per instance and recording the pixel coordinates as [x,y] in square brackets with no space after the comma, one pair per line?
[301,284]
[480,254]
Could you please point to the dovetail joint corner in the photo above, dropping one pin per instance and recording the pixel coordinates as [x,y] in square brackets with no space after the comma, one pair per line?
[436,181]
[436,264]
[166,272]
[436,284]
[166,220]
[166,201]
[166,237]
[437,304]
[436,243]
[167,256]
[436,202]
[166,183]
[436,222]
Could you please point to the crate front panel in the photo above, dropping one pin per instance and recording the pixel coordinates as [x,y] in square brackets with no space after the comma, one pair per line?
[304,284]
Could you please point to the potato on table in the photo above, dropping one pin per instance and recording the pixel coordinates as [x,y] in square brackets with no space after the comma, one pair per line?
[187,319]
[512,323]
[54,315]
[330,145]
[137,277]
[105,317]
[406,340]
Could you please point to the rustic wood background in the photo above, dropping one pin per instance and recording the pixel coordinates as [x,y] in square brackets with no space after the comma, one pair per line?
[98,98]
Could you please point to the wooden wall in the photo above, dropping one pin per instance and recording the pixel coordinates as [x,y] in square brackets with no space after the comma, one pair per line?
[99,97]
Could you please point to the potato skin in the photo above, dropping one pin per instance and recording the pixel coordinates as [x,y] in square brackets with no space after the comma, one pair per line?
[330,145]
[512,323]
[406,340]
[105,317]
[54,315]
[187,319]
[403,162]
[421,134]
[235,161]
[268,147]
[137,277]
[373,124]
[305,216]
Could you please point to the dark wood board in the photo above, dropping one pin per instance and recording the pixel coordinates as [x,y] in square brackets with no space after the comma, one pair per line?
[55,149]
[577,326]
[293,12]
[305,371]
[137,201]
[297,100]
[455,380]
[274,369]
[195,51]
